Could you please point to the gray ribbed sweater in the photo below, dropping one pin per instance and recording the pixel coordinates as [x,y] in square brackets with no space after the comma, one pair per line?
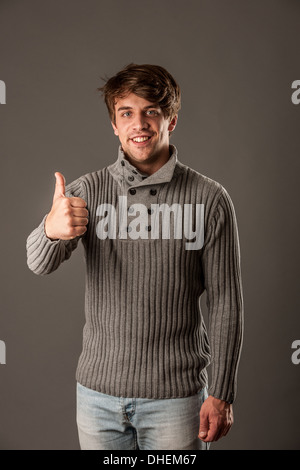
[144,334]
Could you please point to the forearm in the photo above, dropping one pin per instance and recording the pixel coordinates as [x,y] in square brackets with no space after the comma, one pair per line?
[226,342]
[222,272]
[44,255]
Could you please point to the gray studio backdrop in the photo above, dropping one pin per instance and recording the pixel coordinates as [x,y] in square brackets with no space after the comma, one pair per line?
[236,62]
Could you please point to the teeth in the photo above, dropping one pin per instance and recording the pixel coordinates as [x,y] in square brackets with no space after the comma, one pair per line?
[140,139]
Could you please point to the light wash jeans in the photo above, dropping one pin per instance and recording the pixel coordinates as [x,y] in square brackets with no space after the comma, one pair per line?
[114,423]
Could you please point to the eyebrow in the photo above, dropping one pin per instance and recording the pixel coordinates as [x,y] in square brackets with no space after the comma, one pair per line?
[124,108]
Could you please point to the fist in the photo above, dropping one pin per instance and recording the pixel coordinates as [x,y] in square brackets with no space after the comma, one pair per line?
[68,216]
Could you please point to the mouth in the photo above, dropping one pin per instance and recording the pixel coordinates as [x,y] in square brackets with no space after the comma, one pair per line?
[141,140]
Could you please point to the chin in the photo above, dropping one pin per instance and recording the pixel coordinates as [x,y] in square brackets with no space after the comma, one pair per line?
[144,155]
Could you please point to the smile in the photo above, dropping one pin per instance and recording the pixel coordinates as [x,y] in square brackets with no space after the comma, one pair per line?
[141,139]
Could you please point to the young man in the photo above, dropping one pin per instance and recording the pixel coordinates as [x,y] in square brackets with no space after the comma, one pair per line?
[156,234]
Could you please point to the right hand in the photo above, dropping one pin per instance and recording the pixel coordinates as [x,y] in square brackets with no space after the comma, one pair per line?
[68,216]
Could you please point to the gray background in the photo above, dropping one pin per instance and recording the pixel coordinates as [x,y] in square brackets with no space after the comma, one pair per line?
[235,61]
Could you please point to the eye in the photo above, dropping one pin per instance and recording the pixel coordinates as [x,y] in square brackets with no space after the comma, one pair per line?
[152,112]
[127,113]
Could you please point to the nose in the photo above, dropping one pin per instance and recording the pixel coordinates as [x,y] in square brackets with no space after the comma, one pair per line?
[140,122]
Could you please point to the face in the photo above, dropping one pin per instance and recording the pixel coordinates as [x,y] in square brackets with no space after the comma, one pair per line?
[142,129]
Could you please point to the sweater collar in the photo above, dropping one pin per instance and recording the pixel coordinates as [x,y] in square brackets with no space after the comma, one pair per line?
[123,170]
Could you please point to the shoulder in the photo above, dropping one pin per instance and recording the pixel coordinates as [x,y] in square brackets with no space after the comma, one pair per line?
[94,178]
[206,187]
[207,191]
[89,184]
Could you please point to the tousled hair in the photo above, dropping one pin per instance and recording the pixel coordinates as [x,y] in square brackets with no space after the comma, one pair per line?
[151,82]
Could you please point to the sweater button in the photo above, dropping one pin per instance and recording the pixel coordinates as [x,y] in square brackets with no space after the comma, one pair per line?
[132,191]
[130,178]
[130,209]
[122,162]
[153,192]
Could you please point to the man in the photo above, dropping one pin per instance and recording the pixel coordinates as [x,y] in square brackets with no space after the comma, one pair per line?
[141,376]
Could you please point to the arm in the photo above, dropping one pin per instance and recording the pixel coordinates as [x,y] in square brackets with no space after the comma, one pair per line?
[54,240]
[222,275]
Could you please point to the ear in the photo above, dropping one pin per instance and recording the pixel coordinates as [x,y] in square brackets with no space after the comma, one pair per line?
[173,123]
[116,132]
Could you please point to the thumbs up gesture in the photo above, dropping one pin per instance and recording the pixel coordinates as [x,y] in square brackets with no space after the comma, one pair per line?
[68,216]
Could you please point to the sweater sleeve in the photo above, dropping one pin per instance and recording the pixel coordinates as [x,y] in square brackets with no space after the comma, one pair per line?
[44,255]
[222,278]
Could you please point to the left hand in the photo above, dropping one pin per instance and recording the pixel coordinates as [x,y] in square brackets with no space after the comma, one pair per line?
[216,418]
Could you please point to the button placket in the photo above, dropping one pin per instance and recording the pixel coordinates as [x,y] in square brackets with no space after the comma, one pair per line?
[139,188]
[137,193]
[128,171]
[154,214]
[153,192]
[141,195]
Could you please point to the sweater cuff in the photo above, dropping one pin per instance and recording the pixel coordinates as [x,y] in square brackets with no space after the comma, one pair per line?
[228,397]
[40,249]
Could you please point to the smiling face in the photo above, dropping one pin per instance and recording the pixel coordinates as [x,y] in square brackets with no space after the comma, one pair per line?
[143,132]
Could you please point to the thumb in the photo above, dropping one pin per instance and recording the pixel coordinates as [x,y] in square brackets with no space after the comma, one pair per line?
[204,427]
[60,186]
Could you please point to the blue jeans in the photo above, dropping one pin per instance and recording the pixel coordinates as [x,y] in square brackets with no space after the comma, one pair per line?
[114,423]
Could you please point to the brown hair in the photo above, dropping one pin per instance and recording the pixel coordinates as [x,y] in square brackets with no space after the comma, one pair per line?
[151,82]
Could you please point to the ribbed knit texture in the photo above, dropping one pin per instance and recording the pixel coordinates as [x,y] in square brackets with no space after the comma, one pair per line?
[144,334]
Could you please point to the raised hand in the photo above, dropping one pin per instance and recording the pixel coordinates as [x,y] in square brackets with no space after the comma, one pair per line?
[68,216]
